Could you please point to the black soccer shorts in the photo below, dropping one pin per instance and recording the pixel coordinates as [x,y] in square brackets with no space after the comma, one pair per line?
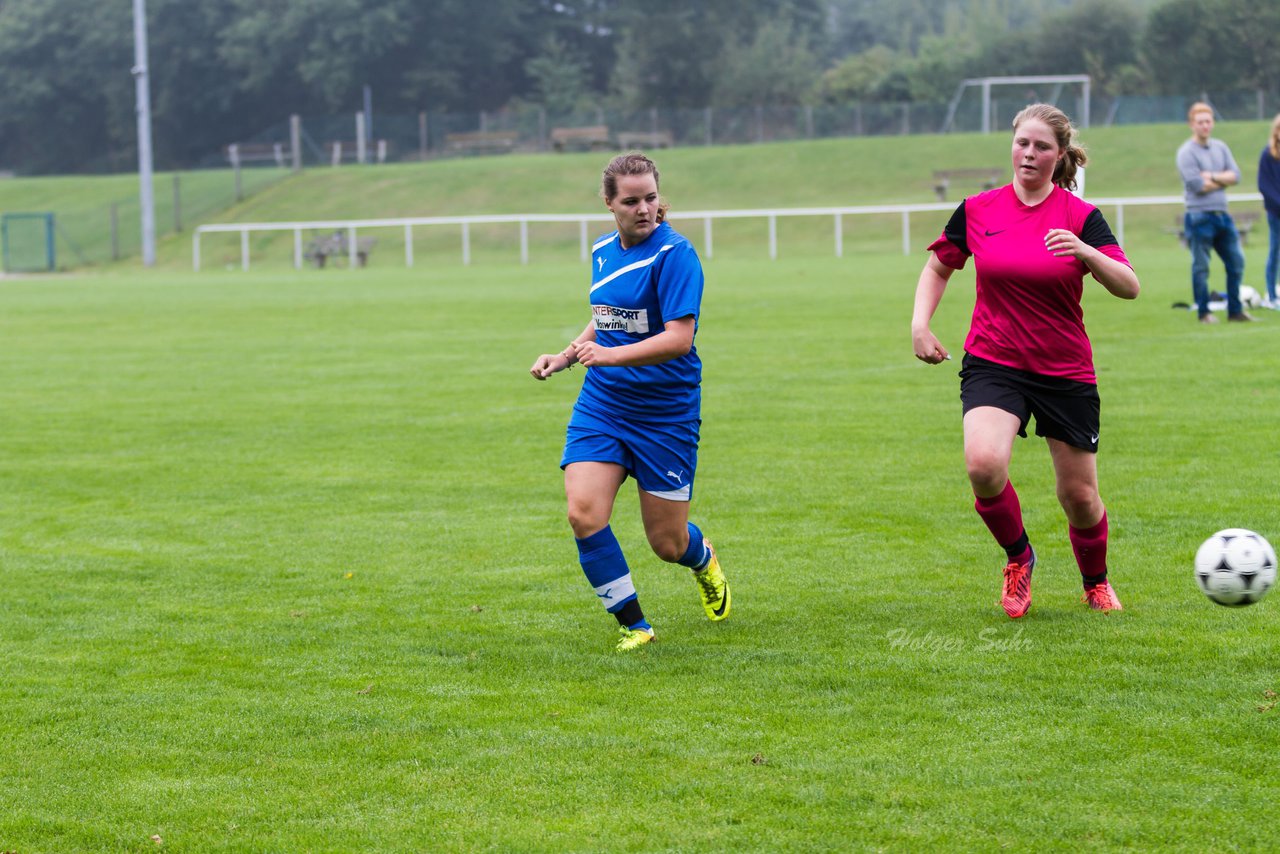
[1067,410]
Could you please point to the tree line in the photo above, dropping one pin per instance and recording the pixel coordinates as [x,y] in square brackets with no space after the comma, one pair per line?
[220,70]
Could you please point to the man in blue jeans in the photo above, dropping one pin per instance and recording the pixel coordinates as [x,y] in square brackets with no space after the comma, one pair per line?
[1207,169]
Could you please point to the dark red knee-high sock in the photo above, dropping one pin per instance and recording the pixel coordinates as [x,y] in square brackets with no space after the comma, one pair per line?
[1090,547]
[1003,517]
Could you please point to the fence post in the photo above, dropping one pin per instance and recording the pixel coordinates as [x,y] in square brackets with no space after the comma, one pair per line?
[466,244]
[706,236]
[244,249]
[524,241]
[408,245]
[177,204]
[233,154]
[50,247]
[773,237]
[839,236]
[361,152]
[115,231]
[297,249]
[295,141]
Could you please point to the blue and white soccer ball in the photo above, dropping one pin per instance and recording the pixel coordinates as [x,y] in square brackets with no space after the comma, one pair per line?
[1235,567]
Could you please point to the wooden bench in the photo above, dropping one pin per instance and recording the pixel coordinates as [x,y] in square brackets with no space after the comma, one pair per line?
[1245,221]
[987,178]
[482,142]
[335,246]
[628,140]
[257,152]
[591,138]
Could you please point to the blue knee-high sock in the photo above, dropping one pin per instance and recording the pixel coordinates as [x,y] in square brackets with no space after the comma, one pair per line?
[697,556]
[606,569]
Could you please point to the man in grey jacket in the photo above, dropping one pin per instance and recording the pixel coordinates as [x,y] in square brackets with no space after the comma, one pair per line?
[1207,169]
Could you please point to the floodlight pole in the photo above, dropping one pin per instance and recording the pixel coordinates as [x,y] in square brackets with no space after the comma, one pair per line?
[368,114]
[143,95]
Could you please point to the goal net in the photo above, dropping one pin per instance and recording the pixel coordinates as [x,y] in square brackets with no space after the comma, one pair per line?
[984,104]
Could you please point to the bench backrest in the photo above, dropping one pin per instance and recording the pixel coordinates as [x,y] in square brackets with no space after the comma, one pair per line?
[645,139]
[588,132]
[332,244]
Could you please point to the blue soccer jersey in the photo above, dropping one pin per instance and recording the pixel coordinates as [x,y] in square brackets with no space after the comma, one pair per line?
[634,293]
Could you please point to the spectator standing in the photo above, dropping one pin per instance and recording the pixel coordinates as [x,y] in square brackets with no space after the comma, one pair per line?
[1269,187]
[1207,169]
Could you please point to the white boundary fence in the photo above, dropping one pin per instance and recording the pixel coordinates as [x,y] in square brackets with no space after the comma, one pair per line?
[771,215]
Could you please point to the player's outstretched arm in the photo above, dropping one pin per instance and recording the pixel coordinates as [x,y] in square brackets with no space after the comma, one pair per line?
[929,290]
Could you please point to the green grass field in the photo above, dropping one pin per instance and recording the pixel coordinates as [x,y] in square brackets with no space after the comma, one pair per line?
[286,568]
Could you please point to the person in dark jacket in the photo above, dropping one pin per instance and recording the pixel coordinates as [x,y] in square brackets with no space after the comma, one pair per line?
[1269,187]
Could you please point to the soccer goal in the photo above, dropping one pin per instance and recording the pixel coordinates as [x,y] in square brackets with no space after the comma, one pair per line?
[27,242]
[1029,90]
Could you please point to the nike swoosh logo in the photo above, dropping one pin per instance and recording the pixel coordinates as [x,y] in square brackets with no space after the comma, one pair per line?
[990,232]
[724,603]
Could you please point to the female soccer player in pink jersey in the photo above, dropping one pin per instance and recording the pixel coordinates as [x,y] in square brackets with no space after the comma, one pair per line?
[1027,353]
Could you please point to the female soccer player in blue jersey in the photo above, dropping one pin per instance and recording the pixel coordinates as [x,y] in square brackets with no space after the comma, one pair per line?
[639,409]
[1027,353]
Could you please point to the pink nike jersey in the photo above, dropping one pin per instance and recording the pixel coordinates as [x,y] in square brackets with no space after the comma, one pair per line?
[1028,313]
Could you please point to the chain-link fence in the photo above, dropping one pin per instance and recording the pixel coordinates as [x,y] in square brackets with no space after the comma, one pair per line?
[430,134]
[101,231]
[105,229]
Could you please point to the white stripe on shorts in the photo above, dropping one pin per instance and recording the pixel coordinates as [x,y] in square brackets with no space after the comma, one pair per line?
[681,494]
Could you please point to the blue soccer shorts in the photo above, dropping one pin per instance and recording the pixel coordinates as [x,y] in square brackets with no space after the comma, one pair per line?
[661,457]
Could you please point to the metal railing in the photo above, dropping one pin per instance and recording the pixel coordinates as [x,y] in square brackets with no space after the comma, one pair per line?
[350,227]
